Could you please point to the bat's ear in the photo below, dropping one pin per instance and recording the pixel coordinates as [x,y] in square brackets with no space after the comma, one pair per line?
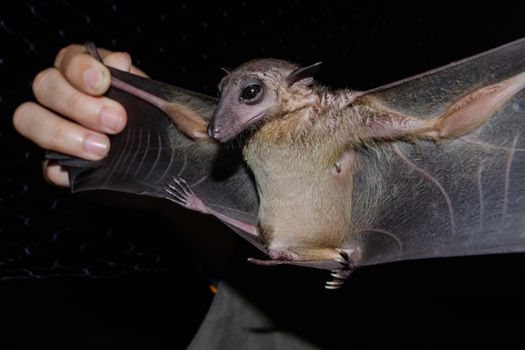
[303,75]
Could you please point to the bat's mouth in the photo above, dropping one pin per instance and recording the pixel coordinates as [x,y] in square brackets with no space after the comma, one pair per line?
[217,133]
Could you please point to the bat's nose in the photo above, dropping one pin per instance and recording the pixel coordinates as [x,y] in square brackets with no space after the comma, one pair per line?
[214,131]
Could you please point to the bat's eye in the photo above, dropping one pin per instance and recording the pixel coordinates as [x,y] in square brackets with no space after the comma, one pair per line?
[251,93]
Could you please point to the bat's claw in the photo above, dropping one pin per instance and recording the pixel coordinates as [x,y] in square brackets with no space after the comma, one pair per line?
[341,274]
[334,284]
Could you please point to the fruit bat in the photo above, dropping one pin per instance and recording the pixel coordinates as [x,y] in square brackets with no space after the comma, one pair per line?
[430,166]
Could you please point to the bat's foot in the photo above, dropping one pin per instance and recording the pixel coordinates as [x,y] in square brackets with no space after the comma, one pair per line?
[340,274]
[341,267]
[181,193]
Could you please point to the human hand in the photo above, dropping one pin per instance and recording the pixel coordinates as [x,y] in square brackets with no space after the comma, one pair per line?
[72,116]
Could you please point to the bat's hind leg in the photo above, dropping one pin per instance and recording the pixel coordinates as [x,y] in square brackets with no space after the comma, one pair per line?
[181,193]
[277,257]
[338,261]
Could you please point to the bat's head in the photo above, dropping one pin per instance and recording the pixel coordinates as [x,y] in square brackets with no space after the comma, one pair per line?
[258,91]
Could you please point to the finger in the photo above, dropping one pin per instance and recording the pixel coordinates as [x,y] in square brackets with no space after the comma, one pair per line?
[97,113]
[86,73]
[52,132]
[55,173]
[138,71]
[120,60]
[83,71]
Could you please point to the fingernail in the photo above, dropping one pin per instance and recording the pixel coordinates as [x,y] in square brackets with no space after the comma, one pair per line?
[110,118]
[96,144]
[93,78]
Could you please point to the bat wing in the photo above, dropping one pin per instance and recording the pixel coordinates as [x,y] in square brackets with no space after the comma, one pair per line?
[151,150]
[460,197]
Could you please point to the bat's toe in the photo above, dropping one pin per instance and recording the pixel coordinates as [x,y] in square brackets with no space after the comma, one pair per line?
[340,275]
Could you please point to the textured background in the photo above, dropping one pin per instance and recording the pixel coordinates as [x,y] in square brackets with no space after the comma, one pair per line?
[72,272]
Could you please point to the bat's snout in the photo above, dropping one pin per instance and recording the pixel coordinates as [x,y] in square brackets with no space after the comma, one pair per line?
[221,127]
[217,132]
[214,131]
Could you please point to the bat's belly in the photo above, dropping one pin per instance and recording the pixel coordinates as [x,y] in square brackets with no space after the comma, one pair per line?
[294,220]
[302,204]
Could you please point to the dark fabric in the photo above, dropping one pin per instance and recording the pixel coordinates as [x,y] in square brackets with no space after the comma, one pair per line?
[286,307]
[234,323]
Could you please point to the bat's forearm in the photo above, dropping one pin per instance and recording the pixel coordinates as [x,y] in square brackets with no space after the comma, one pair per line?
[460,118]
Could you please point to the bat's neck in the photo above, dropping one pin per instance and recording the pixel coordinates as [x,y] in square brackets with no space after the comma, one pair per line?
[318,117]
[338,99]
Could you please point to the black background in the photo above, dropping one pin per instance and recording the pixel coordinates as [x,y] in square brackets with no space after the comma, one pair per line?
[362,44]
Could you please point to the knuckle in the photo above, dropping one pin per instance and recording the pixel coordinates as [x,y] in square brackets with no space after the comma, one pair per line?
[58,137]
[72,66]
[74,103]
[75,67]
[63,53]
[41,81]
[60,56]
